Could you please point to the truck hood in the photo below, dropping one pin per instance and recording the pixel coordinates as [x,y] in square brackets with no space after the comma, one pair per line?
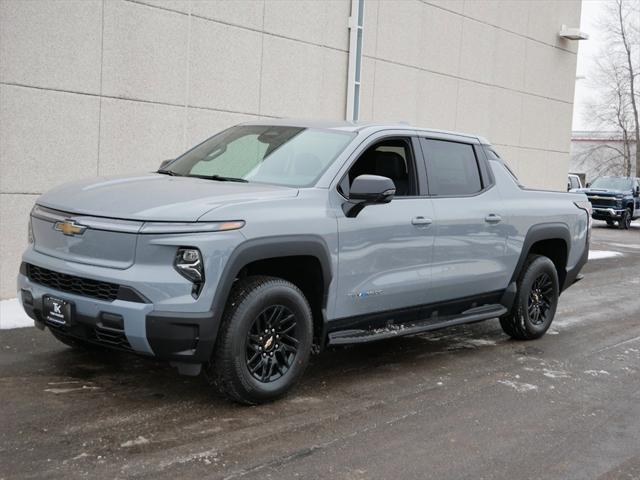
[155,197]
[601,191]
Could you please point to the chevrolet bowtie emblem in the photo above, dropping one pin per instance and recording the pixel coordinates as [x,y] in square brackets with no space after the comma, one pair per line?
[69,227]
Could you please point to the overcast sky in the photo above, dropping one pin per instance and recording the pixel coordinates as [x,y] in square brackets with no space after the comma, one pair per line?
[587,50]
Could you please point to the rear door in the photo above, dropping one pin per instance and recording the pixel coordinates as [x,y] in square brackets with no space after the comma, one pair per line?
[469,254]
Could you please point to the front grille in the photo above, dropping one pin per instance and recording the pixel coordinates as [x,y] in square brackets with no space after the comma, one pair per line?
[111,337]
[602,202]
[72,284]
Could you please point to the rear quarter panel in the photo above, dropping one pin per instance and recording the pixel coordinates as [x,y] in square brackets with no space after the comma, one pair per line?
[527,207]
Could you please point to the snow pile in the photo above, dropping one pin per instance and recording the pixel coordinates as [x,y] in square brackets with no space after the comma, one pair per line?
[599,254]
[12,315]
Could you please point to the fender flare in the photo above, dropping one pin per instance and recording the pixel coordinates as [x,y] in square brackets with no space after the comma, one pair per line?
[263,249]
[539,232]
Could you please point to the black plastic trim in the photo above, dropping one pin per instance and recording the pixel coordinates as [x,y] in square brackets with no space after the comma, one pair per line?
[181,336]
[537,233]
[573,274]
[445,311]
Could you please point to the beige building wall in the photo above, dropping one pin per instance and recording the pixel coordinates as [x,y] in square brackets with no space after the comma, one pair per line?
[92,87]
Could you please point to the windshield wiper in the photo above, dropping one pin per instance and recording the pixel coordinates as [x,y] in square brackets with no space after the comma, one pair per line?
[221,178]
[167,172]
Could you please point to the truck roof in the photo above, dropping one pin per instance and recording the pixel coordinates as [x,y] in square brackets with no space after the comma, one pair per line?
[348,126]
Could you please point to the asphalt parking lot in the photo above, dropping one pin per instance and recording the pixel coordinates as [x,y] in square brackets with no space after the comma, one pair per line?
[461,403]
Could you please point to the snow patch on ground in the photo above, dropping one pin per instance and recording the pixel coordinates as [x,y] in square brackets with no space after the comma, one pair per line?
[136,441]
[481,342]
[519,386]
[596,373]
[555,373]
[599,254]
[12,315]
[59,391]
[568,321]
[624,245]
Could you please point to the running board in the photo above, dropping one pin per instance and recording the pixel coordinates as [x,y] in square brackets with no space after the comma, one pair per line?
[346,337]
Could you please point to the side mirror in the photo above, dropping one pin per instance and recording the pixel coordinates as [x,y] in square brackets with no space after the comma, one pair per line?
[164,163]
[588,184]
[368,190]
[638,191]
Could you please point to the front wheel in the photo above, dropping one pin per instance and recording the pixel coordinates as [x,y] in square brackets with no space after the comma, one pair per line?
[536,300]
[625,221]
[264,342]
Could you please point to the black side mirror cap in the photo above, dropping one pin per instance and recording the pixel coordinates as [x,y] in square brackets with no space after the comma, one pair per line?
[368,190]
[588,184]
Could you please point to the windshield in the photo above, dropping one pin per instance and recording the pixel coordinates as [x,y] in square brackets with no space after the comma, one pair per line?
[612,183]
[290,156]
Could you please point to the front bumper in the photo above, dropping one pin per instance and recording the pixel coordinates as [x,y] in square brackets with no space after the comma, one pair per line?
[125,325]
[607,213]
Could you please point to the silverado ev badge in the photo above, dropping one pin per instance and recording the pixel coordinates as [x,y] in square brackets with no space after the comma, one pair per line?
[69,228]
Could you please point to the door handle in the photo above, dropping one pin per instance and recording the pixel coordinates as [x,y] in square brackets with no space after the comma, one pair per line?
[421,221]
[493,218]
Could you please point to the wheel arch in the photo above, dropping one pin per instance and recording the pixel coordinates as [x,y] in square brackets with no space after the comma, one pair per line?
[304,260]
[552,240]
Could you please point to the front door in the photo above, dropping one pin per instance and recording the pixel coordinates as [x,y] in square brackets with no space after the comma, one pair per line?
[385,251]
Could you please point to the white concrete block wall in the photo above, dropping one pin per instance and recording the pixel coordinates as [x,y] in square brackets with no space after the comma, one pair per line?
[101,87]
[493,67]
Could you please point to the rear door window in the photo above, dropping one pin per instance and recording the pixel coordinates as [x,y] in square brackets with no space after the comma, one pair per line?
[452,168]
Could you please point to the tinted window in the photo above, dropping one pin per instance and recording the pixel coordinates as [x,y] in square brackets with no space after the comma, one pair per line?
[389,158]
[453,168]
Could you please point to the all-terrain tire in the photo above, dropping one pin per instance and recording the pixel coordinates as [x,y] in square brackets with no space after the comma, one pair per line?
[250,303]
[521,323]
[625,221]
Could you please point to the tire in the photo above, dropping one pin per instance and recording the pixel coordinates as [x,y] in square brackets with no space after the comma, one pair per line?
[610,223]
[249,366]
[536,300]
[625,221]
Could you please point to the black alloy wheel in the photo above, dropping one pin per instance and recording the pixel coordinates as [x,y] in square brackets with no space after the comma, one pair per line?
[534,307]
[264,342]
[272,344]
[540,298]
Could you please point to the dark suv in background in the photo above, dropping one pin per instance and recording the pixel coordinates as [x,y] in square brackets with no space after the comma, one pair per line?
[614,199]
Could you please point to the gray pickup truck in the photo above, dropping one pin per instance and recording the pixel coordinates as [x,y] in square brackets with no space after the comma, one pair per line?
[271,240]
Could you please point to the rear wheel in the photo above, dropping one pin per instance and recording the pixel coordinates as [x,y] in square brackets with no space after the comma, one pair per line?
[625,221]
[536,300]
[264,342]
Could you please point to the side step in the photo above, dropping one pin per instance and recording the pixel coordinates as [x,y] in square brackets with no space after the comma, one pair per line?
[347,337]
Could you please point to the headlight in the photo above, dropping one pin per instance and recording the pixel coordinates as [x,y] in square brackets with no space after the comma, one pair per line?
[30,232]
[189,264]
